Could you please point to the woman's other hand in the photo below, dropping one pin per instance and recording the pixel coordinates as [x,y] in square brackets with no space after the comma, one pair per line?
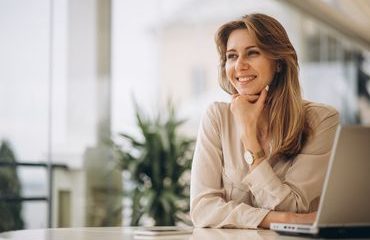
[287,217]
[302,218]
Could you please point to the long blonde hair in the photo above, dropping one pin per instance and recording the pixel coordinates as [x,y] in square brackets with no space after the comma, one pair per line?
[287,123]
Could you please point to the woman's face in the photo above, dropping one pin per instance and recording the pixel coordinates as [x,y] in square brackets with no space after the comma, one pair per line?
[247,68]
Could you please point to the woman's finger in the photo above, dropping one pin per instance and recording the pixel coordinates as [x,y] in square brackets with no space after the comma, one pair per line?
[261,100]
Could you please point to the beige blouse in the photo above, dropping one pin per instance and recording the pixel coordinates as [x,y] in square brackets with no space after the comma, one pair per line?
[224,194]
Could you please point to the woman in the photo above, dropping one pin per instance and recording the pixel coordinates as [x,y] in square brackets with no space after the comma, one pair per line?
[261,158]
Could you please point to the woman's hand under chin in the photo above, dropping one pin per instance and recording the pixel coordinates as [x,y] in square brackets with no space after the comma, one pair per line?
[247,109]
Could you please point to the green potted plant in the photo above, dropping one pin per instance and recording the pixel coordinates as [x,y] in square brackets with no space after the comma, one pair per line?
[157,163]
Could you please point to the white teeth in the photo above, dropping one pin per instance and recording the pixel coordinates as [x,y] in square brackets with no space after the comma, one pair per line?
[247,78]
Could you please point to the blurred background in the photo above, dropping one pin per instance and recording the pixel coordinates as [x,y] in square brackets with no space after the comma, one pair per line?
[76,152]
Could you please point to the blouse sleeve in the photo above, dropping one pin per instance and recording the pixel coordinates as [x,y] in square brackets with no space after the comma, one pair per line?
[208,207]
[303,181]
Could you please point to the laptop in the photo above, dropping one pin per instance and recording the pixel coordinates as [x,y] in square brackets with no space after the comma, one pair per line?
[344,208]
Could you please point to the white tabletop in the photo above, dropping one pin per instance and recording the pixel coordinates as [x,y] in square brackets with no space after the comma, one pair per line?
[127,233]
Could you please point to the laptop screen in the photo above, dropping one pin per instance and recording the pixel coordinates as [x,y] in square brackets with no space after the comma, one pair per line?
[346,193]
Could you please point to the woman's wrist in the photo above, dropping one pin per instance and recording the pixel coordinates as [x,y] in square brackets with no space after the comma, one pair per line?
[251,143]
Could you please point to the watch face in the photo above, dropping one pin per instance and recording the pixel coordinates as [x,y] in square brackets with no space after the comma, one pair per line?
[248,156]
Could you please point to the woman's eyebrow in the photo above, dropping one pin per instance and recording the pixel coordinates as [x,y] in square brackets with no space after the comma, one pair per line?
[250,47]
[233,50]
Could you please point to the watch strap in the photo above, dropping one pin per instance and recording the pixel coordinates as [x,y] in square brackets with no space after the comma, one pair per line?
[259,154]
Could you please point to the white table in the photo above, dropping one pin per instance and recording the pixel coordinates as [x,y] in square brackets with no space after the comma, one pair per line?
[127,233]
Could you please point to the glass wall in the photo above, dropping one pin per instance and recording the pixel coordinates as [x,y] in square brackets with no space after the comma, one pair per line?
[55,108]
[24,104]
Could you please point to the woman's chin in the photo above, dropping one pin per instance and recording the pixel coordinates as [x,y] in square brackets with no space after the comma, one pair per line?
[245,93]
[249,91]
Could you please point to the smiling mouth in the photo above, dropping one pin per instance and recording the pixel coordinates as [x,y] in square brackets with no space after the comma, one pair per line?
[246,78]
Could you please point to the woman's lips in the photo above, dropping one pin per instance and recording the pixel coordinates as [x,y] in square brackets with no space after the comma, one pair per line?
[244,79]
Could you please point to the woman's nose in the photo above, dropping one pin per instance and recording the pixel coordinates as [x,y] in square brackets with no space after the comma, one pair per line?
[241,64]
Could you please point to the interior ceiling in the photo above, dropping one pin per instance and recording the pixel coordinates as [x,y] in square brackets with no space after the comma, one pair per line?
[358,10]
[349,17]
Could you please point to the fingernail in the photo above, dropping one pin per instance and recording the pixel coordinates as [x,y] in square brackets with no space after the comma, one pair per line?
[267,88]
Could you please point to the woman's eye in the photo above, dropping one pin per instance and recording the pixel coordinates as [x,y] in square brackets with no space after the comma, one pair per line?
[253,53]
[231,56]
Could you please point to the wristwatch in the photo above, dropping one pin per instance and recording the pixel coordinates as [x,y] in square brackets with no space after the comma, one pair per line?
[249,156]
